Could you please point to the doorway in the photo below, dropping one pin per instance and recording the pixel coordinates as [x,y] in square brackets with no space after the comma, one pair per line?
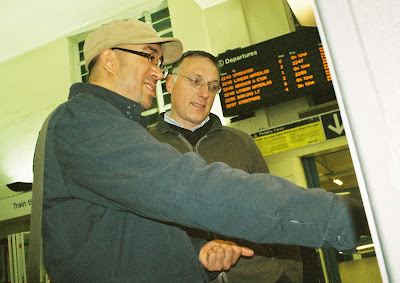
[334,172]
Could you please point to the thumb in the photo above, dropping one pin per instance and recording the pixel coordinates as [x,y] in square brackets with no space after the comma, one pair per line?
[247,251]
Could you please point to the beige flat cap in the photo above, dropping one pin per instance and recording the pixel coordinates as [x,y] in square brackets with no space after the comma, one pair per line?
[129,31]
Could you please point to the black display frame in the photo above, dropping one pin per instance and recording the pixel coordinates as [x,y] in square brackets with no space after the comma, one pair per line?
[285,68]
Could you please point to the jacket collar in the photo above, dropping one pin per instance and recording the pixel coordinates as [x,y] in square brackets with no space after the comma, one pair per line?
[164,127]
[129,108]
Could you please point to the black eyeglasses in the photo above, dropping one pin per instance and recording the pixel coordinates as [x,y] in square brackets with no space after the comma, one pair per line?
[213,87]
[152,58]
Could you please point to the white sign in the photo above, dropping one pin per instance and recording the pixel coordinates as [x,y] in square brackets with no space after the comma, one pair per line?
[15,206]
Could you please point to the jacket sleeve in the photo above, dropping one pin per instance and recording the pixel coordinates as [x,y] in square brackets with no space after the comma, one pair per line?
[258,161]
[114,162]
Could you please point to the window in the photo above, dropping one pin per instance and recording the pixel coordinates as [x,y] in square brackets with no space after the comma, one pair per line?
[161,22]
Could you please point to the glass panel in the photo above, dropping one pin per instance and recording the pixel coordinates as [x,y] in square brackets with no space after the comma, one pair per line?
[160,26]
[85,78]
[83,69]
[162,14]
[81,56]
[167,98]
[80,44]
[336,174]
[168,34]
[164,87]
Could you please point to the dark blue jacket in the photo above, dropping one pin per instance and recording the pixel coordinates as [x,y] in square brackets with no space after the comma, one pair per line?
[114,199]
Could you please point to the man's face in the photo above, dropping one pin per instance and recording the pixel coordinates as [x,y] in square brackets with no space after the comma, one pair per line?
[138,77]
[189,105]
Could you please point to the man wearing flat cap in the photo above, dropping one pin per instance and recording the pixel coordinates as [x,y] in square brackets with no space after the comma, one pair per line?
[115,199]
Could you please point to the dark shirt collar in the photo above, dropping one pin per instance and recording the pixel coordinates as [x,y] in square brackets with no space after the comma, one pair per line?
[129,108]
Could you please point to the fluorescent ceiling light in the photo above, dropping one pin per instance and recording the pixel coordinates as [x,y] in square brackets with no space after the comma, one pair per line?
[365,247]
[337,182]
[208,3]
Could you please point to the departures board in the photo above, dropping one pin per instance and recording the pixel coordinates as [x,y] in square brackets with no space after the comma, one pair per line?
[277,70]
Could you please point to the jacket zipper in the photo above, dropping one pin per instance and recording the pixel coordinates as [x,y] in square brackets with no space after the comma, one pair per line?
[194,148]
[185,141]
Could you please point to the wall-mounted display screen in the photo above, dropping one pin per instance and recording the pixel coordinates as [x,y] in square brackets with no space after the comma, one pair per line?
[277,70]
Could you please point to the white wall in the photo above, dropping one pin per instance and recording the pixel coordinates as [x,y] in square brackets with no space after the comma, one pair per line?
[31,85]
[362,47]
